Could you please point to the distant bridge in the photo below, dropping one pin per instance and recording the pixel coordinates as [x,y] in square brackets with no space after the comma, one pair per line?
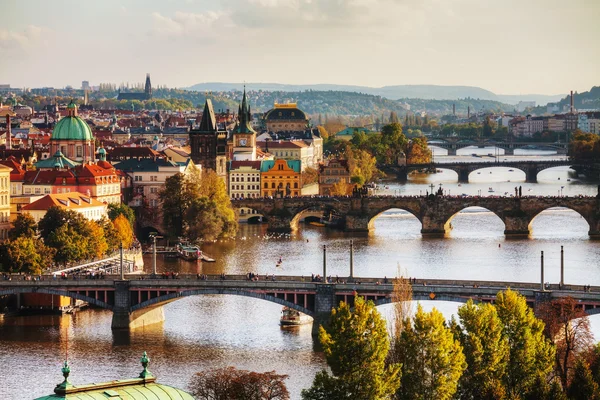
[454,144]
[434,212]
[464,169]
[137,302]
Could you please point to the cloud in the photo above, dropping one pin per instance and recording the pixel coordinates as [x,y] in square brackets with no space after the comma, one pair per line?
[188,24]
[24,39]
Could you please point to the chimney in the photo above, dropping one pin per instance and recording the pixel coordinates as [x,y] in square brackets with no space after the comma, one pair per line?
[571,102]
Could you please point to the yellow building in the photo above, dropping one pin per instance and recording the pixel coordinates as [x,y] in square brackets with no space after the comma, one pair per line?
[280,178]
[4,201]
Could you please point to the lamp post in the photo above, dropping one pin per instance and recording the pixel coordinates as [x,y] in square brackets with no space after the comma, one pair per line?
[351,258]
[121,253]
[324,263]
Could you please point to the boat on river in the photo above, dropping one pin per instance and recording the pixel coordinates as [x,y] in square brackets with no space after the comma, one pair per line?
[191,253]
[291,317]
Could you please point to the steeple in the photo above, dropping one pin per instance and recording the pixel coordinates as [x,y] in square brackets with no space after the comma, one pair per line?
[148,86]
[209,121]
[244,117]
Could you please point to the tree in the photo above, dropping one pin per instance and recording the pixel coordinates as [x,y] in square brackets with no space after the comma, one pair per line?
[486,351]
[432,360]
[23,226]
[54,218]
[204,221]
[362,165]
[96,241]
[417,151]
[355,344]
[340,188]
[308,176]
[213,187]
[114,210]
[25,254]
[568,327]
[123,231]
[234,384]
[531,355]
[175,199]
[583,386]
[70,246]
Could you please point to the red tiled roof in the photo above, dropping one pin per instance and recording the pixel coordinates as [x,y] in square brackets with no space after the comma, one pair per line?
[71,201]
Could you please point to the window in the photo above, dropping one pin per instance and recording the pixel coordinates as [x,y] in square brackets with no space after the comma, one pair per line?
[273,185]
[138,178]
[153,178]
[38,190]
[153,190]
[266,185]
[79,151]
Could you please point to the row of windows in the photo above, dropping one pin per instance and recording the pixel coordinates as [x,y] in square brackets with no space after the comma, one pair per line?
[245,195]
[4,216]
[244,187]
[250,179]
[139,178]
[4,181]
[280,185]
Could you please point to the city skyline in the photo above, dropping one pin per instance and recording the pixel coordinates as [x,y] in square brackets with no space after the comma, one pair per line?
[542,47]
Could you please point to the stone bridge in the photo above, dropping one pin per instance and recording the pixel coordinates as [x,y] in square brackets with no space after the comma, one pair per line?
[139,302]
[434,212]
[452,145]
[464,169]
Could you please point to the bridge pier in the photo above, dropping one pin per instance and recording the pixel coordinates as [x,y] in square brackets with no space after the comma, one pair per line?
[451,151]
[123,318]
[324,303]
[434,227]
[281,223]
[463,175]
[531,174]
[516,225]
[357,223]
[509,151]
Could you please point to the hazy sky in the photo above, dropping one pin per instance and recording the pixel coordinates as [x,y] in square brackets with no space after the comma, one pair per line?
[506,46]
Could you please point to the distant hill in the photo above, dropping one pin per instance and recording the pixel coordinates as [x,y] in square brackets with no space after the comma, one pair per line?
[428,92]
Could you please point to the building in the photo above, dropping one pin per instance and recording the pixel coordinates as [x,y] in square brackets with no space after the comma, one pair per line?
[285,118]
[73,137]
[333,172]
[526,127]
[145,95]
[294,150]
[243,135]
[208,143]
[85,205]
[244,179]
[556,123]
[148,176]
[279,178]
[4,201]
[140,388]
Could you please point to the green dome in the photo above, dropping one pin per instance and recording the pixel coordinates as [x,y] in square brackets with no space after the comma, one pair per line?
[72,128]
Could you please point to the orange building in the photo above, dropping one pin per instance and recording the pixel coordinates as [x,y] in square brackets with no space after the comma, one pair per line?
[280,178]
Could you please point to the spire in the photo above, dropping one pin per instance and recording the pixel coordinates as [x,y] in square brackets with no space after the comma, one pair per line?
[61,388]
[148,86]
[209,121]
[145,373]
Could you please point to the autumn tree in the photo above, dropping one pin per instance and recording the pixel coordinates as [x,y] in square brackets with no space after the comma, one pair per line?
[432,359]
[362,165]
[403,310]
[394,142]
[23,226]
[308,176]
[214,189]
[485,347]
[175,199]
[568,327]
[340,188]
[26,255]
[114,210]
[234,384]
[417,151]
[123,231]
[355,344]
[203,219]
[583,386]
[531,355]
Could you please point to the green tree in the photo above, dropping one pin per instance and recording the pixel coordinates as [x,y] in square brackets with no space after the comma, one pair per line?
[355,344]
[214,189]
[531,355]
[54,218]
[486,351]
[69,244]
[204,220]
[175,199]
[432,360]
[23,226]
[25,254]
[583,386]
[114,210]
[393,141]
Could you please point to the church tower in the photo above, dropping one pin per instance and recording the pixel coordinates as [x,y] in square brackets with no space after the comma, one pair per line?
[244,137]
[148,87]
[208,143]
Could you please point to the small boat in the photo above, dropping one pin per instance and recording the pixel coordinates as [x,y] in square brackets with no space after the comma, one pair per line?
[291,317]
[510,170]
[315,223]
[191,253]
[490,190]
[569,180]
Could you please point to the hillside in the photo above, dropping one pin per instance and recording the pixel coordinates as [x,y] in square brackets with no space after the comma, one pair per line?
[429,92]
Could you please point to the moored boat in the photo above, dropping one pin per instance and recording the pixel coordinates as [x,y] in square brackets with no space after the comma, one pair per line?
[291,317]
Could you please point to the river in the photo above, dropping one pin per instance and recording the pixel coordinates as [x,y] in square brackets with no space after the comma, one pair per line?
[216,331]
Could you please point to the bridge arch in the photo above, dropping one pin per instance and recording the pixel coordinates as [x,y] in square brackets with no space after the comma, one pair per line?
[167,298]
[311,206]
[57,292]
[582,213]
[448,224]
[373,216]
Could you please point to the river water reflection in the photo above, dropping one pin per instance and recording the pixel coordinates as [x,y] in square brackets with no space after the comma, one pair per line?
[216,331]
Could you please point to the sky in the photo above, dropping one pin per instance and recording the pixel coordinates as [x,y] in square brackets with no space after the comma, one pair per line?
[506,46]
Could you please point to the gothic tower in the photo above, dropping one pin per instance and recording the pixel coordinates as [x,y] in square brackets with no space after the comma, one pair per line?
[208,143]
[148,87]
[244,137]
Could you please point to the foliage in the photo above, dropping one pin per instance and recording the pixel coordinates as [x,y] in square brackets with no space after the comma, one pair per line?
[114,210]
[432,360]
[583,386]
[113,241]
[584,147]
[401,299]
[25,254]
[417,151]
[531,355]
[308,176]
[341,188]
[568,327]
[96,241]
[486,350]
[123,230]
[23,226]
[355,345]
[54,218]
[362,165]
[197,206]
[234,384]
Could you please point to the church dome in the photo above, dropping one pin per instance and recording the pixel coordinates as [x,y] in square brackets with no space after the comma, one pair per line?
[285,112]
[72,127]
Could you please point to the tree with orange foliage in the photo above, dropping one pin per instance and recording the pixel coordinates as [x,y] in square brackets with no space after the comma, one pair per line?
[235,384]
[124,231]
